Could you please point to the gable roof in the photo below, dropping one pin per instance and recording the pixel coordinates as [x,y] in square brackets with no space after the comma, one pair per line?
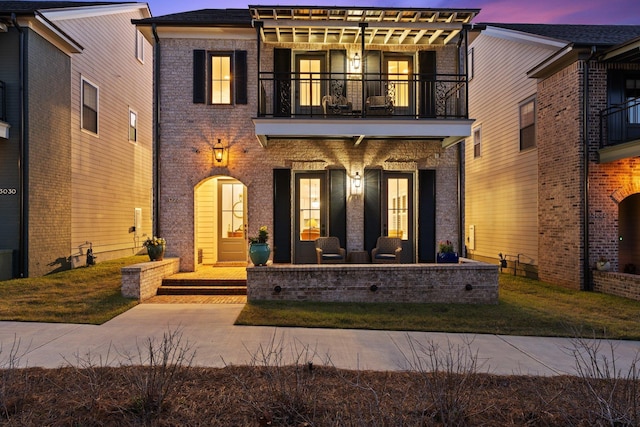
[30,7]
[202,17]
[584,35]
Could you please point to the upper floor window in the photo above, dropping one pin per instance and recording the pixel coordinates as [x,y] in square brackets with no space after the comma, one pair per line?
[470,63]
[221,78]
[528,124]
[89,116]
[133,126]
[477,141]
[139,46]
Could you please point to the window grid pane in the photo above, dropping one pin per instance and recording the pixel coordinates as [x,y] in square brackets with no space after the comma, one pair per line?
[397,207]
[221,79]
[89,107]
[309,208]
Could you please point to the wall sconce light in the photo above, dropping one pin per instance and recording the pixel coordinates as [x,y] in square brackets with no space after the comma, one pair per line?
[357,180]
[356,61]
[218,151]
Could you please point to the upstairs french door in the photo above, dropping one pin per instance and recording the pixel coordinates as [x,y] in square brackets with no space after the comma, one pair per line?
[399,76]
[309,84]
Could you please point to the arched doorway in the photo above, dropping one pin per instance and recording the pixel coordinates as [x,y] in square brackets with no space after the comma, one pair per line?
[220,221]
[629,234]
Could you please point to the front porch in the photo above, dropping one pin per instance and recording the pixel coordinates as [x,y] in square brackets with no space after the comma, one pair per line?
[469,282]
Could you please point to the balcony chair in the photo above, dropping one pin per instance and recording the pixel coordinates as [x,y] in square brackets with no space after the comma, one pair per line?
[379,105]
[387,250]
[336,103]
[328,251]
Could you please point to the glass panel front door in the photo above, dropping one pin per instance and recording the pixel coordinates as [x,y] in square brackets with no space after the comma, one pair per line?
[397,215]
[231,227]
[309,215]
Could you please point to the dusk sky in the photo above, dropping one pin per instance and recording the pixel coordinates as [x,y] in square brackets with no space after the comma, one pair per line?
[620,12]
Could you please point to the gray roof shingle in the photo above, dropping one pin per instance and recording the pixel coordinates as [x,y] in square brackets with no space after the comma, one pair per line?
[222,17]
[587,35]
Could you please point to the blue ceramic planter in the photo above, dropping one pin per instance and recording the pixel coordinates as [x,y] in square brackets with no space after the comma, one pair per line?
[259,253]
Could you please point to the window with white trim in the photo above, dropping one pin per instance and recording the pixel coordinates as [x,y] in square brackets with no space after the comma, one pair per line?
[90,102]
[221,78]
[477,141]
[133,126]
[139,46]
[528,124]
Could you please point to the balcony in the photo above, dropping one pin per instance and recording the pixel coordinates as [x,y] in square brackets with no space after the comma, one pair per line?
[4,126]
[620,131]
[359,105]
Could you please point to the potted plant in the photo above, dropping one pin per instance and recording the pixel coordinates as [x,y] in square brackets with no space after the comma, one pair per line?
[446,253]
[603,264]
[259,250]
[155,248]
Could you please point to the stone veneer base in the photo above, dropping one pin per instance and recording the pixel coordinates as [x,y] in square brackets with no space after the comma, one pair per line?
[141,281]
[469,282]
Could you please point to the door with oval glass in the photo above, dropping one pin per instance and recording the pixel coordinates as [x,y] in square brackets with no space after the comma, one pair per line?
[232,244]
[397,211]
[310,215]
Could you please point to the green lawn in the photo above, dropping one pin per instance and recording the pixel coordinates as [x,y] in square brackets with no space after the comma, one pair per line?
[82,295]
[526,307]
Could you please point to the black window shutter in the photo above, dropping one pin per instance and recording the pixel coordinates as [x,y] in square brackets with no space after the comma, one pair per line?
[372,220]
[427,73]
[338,205]
[282,215]
[241,76]
[373,72]
[282,74]
[199,76]
[427,216]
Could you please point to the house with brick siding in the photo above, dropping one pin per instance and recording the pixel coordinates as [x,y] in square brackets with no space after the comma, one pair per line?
[311,121]
[75,134]
[552,169]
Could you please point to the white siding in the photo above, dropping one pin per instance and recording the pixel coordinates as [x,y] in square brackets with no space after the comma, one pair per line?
[501,186]
[111,176]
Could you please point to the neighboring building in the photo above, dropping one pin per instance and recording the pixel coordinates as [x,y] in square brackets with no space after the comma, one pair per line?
[540,94]
[329,121]
[75,134]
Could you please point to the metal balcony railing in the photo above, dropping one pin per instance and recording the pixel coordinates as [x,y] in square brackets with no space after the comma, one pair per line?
[3,102]
[357,95]
[620,123]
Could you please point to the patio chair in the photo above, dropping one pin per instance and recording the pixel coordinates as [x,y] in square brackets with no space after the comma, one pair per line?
[387,250]
[328,251]
[336,102]
[379,105]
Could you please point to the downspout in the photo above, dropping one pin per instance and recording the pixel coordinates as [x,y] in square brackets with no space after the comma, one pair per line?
[462,66]
[156,132]
[585,171]
[258,26]
[23,268]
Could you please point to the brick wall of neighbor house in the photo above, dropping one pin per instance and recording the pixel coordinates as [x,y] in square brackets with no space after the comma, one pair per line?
[609,183]
[559,177]
[620,284]
[188,131]
[49,194]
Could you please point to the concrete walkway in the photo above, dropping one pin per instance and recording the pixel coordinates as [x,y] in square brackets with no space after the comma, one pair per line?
[209,329]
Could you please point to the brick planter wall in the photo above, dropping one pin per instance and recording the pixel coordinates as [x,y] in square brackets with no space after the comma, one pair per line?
[141,281]
[614,283]
[419,283]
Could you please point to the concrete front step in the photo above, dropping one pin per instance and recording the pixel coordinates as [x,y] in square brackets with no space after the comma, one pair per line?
[204,282]
[202,290]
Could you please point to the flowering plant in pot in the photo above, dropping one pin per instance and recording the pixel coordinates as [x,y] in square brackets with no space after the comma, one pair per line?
[155,247]
[259,250]
[446,253]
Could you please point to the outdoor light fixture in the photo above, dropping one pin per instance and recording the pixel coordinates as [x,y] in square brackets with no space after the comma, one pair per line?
[356,61]
[357,180]
[218,151]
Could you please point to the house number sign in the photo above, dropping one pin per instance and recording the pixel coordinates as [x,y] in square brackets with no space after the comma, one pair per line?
[7,191]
